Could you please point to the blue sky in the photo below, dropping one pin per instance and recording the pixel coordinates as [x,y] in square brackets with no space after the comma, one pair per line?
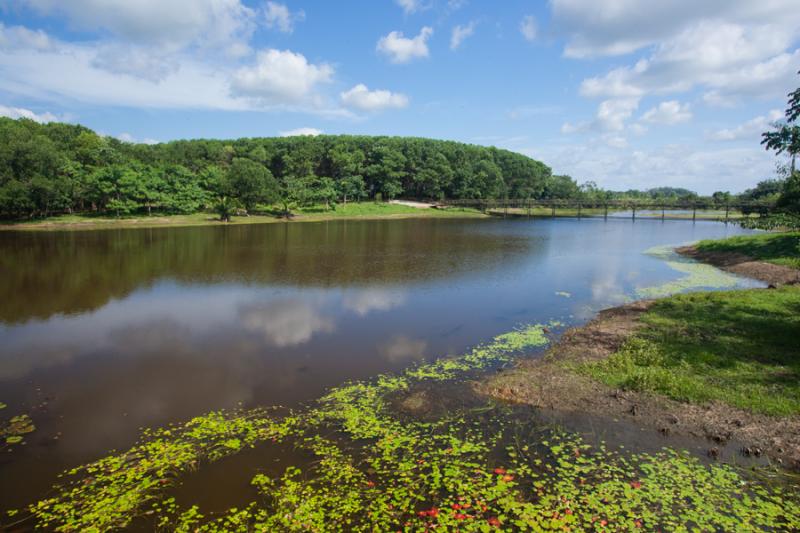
[627,93]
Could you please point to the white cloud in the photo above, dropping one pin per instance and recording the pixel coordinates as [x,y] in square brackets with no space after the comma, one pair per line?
[616,141]
[669,113]
[460,33]
[279,16]
[617,27]
[170,23]
[12,37]
[361,98]
[611,116]
[19,112]
[694,166]
[128,138]
[135,61]
[727,60]
[750,130]
[528,27]
[401,49]
[280,77]
[409,6]
[311,132]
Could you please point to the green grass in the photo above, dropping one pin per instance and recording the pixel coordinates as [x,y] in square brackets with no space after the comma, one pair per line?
[777,248]
[373,209]
[364,210]
[738,347]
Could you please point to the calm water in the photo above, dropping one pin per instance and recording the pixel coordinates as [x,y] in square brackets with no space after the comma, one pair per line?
[104,332]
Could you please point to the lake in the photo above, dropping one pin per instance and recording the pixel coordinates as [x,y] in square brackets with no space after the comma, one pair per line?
[105,332]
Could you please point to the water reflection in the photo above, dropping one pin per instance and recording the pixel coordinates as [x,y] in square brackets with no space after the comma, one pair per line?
[114,331]
[365,301]
[285,322]
[403,349]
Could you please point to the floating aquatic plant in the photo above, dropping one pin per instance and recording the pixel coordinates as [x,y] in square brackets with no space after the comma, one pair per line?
[464,471]
[697,275]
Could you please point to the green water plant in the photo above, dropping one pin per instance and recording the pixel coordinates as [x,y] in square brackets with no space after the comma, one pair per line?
[378,470]
[696,275]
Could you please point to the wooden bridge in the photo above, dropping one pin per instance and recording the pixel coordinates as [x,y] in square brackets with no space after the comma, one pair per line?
[602,208]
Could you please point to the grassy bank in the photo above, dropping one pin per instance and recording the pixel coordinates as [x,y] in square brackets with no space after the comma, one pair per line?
[777,248]
[365,210]
[737,347]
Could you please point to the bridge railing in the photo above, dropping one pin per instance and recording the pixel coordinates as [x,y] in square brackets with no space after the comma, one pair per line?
[580,206]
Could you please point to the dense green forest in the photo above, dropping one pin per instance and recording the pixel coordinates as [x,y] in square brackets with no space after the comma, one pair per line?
[54,168]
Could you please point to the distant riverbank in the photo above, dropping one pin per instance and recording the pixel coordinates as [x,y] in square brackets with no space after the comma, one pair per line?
[356,211]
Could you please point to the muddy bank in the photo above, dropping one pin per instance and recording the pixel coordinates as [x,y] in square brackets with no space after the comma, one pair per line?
[549,384]
[743,265]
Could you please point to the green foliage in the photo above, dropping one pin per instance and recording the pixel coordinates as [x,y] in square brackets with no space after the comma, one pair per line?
[775,221]
[251,182]
[225,207]
[59,168]
[738,347]
[778,248]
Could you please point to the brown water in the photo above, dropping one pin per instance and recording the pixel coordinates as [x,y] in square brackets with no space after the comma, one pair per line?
[105,332]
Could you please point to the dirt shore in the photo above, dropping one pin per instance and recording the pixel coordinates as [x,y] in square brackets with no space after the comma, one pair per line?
[549,384]
[743,265]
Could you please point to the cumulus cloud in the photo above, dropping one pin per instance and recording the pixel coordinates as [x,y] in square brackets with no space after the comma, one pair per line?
[361,98]
[19,112]
[669,112]
[128,138]
[618,27]
[173,23]
[279,16]
[402,49]
[611,116]
[310,132]
[12,37]
[677,165]
[751,130]
[528,27]
[139,62]
[461,33]
[723,58]
[409,6]
[280,77]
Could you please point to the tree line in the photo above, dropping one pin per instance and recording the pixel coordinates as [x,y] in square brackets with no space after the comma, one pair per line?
[55,168]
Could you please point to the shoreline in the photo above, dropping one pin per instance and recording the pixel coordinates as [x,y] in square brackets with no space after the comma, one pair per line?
[552,383]
[206,219]
[743,265]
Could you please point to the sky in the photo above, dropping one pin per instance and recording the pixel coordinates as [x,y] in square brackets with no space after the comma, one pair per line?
[625,93]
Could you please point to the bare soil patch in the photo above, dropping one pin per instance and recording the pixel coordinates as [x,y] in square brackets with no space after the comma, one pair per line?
[743,265]
[549,384]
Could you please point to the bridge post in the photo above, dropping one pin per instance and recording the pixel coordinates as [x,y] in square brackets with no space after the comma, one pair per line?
[727,209]
[605,214]
[662,212]
[634,213]
[579,210]
[694,211]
